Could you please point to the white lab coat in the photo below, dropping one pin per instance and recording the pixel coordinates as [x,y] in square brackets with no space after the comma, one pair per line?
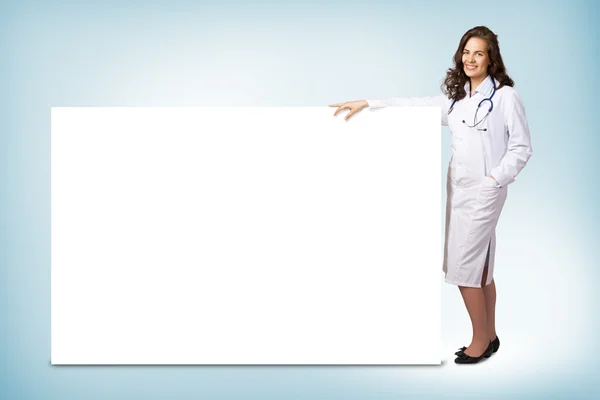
[474,200]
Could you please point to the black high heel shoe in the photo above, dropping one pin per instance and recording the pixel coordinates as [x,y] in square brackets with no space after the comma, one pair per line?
[495,342]
[464,358]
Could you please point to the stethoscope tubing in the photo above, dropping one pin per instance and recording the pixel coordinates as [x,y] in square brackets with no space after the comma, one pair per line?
[475,123]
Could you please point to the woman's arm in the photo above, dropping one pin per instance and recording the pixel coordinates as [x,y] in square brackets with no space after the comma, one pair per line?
[436,101]
[519,148]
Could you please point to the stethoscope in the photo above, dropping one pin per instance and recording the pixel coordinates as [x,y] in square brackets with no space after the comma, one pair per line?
[475,123]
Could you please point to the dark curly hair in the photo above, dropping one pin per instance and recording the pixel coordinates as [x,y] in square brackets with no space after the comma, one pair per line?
[454,84]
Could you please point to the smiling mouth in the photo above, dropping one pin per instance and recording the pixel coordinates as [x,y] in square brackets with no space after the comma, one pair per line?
[471,66]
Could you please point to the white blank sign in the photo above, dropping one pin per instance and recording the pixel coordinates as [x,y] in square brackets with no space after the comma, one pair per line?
[245,235]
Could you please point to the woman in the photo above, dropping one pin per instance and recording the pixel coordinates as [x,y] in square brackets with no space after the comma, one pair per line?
[490,146]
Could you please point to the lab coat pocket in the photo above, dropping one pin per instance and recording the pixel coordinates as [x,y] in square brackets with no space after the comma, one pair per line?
[488,181]
[490,200]
[489,188]
[460,175]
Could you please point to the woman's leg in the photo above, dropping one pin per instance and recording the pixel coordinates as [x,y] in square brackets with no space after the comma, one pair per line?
[489,292]
[476,306]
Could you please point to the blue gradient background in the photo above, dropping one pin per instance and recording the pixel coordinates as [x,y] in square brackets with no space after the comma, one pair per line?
[152,53]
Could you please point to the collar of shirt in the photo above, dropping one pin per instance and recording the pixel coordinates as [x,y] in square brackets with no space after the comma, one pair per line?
[485,88]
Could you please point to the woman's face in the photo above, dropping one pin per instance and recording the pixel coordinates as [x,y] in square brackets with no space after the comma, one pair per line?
[475,58]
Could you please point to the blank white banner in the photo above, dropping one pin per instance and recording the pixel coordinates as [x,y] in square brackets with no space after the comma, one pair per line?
[245,235]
